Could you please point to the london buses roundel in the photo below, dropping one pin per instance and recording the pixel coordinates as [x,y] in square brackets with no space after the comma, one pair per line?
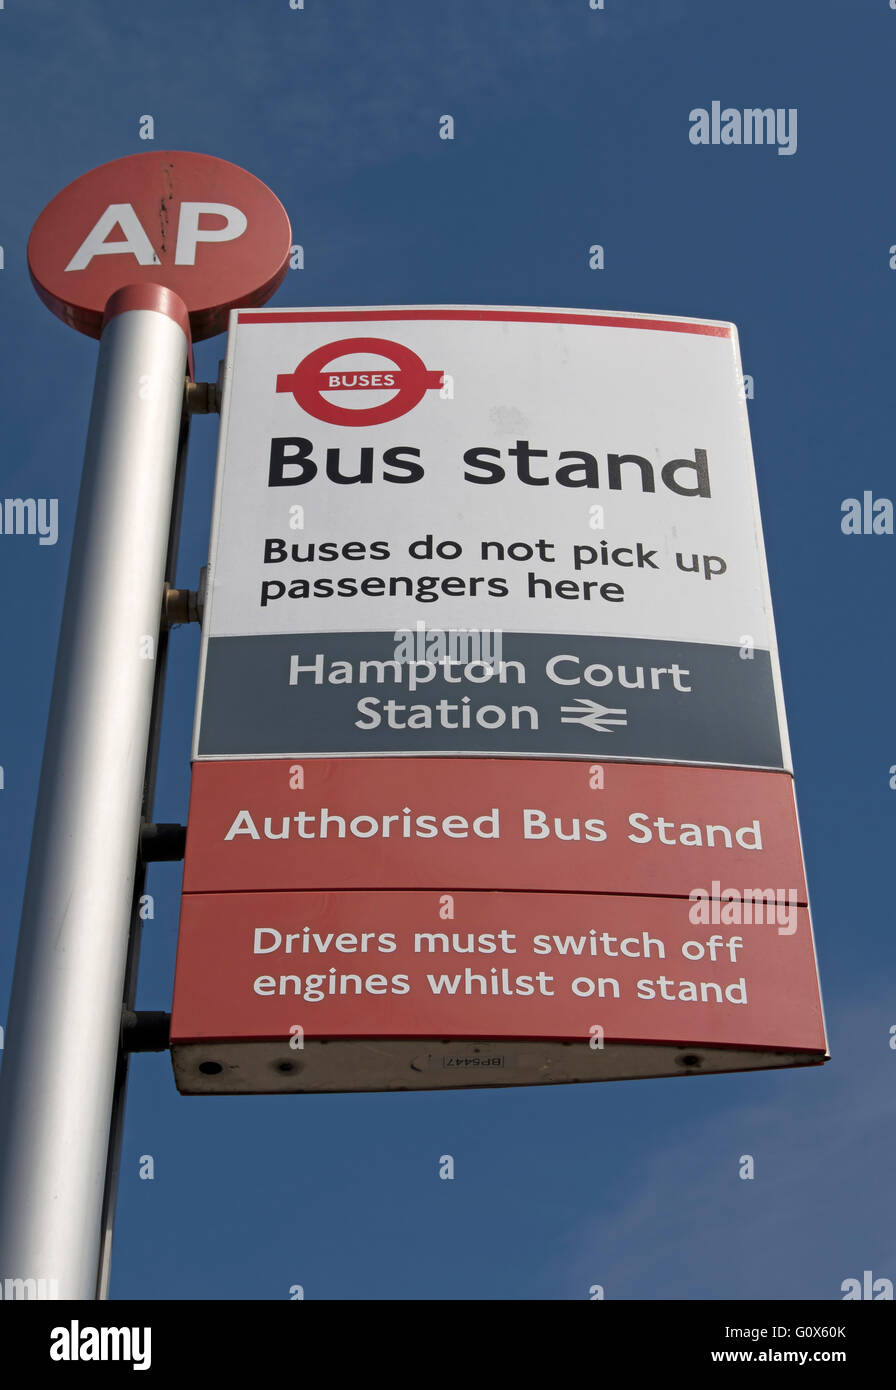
[402,371]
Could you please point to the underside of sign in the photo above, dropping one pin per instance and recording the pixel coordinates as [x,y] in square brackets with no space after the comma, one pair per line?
[243,1067]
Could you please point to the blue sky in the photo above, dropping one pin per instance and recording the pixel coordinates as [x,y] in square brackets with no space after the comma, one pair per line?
[571,128]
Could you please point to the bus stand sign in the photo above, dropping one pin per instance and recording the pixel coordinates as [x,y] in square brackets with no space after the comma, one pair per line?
[491,778]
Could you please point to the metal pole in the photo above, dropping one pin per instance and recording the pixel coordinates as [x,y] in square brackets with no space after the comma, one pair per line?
[58,1075]
[119,1100]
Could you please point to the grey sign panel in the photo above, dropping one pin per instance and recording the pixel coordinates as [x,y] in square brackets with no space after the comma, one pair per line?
[533,695]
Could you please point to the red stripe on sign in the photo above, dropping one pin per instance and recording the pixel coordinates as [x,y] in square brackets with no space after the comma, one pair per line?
[492,966]
[489,823]
[712,330]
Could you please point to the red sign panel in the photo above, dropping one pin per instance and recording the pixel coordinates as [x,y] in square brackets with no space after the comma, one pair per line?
[486,823]
[494,965]
[200,226]
[370,924]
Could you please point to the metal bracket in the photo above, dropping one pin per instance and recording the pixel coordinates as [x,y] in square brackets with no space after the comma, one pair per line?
[203,398]
[166,841]
[145,1030]
[181,606]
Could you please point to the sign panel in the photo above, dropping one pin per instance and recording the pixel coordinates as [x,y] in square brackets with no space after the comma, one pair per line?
[491,778]
[488,823]
[200,226]
[372,991]
[487,531]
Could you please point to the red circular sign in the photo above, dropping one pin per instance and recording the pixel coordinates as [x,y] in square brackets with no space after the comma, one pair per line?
[204,228]
[411,380]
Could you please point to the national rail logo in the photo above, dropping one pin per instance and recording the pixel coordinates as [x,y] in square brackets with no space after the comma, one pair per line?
[405,373]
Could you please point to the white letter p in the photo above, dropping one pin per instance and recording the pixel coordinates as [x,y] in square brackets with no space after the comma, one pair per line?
[189,232]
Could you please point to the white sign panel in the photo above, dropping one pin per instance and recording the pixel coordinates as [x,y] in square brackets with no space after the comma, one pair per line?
[485,530]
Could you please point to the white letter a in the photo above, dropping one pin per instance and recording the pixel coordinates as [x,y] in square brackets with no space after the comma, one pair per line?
[136,242]
[243,825]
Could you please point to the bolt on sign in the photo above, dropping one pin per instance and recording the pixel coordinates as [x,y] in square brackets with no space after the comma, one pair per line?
[491,777]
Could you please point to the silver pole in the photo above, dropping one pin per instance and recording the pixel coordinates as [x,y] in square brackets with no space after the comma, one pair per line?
[119,1100]
[58,1075]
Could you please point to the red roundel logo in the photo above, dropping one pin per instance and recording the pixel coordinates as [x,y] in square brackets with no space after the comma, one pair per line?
[403,372]
[202,227]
